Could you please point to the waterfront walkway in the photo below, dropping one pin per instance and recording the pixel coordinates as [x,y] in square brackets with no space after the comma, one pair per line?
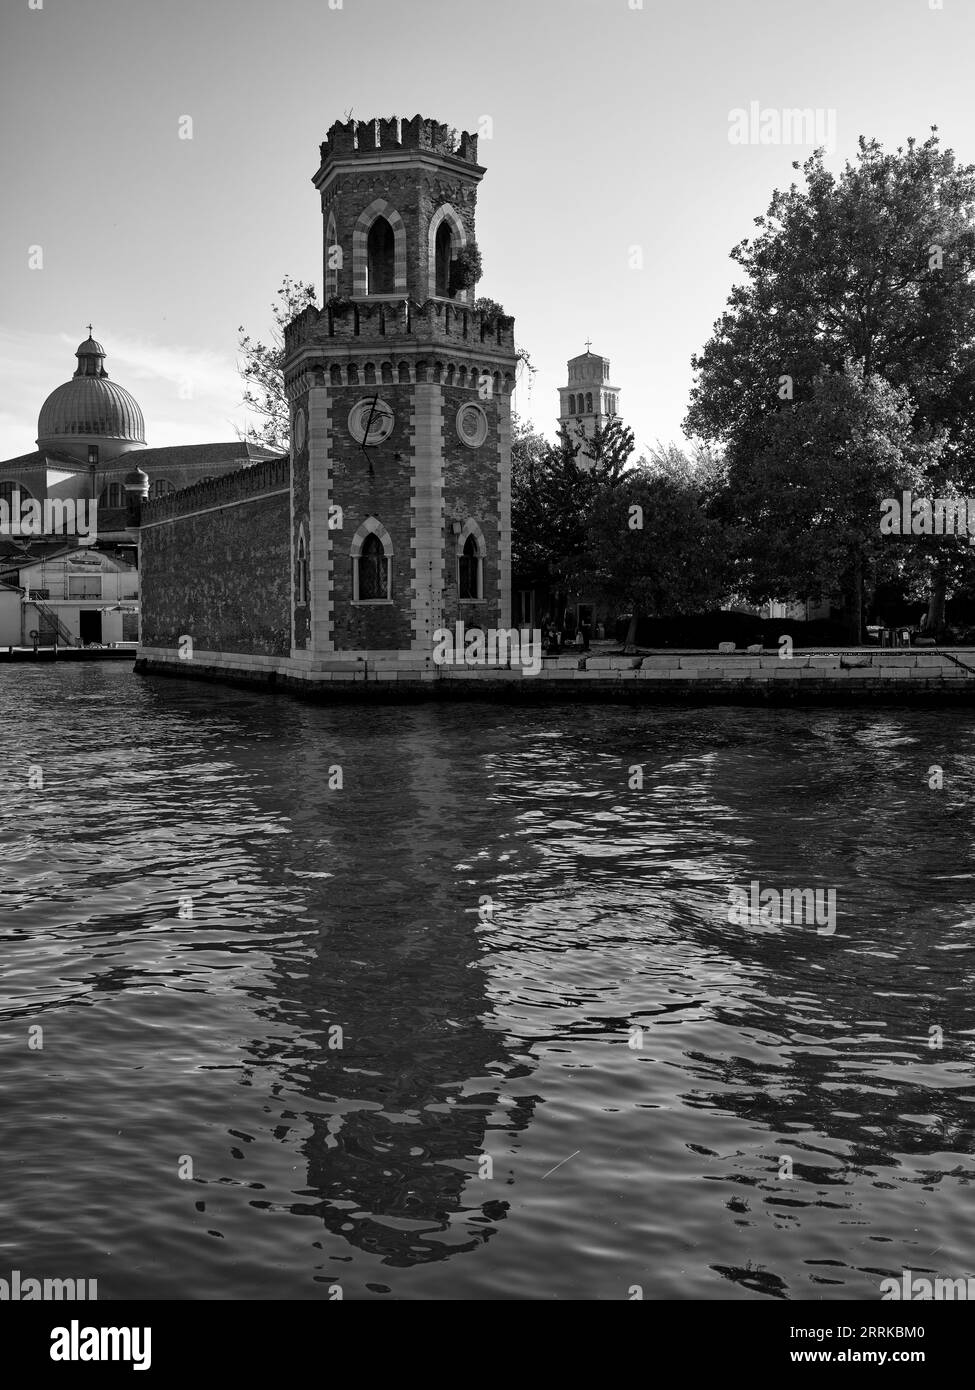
[824,675]
[126,652]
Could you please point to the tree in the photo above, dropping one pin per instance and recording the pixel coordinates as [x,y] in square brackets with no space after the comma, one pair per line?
[875,265]
[699,463]
[262,368]
[811,503]
[655,547]
[528,553]
[554,491]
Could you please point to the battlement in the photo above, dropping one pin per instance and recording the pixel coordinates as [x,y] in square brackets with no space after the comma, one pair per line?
[392,134]
[267,476]
[400,319]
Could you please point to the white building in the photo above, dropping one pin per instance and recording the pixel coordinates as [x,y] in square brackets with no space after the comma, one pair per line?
[78,596]
[91,459]
[11,605]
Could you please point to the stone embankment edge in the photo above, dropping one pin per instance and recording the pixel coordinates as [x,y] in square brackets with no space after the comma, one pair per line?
[839,677]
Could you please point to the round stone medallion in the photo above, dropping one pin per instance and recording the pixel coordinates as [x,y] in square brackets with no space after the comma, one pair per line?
[472,425]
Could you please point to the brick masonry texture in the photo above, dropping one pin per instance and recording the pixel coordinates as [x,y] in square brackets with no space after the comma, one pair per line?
[385,494]
[471,490]
[416,177]
[203,576]
[301,612]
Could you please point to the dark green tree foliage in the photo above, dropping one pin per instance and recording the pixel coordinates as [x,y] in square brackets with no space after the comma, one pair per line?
[877,265]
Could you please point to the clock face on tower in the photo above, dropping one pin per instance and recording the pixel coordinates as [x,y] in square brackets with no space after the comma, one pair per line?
[374,415]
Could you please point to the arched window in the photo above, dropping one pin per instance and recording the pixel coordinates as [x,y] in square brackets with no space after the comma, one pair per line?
[160,486]
[469,566]
[572,405]
[333,258]
[444,250]
[113,496]
[371,560]
[301,578]
[7,490]
[380,258]
[372,571]
[588,402]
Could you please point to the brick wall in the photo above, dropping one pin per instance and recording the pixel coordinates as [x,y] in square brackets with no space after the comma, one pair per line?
[216,564]
[416,194]
[301,522]
[386,495]
[471,490]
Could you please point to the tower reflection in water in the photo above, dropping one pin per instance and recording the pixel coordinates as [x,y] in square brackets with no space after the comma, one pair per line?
[401,1111]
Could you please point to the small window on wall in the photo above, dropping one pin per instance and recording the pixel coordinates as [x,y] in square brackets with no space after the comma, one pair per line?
[84,586]
[588,402]
[112,496]
[469,566]
[301,579]
[160,487]
[371,571]
[7,490]
[572,405]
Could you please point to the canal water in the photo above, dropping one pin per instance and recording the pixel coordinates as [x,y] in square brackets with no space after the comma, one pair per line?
[439,1002]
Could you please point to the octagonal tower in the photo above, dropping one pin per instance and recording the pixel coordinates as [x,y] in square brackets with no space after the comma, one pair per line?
[400,396]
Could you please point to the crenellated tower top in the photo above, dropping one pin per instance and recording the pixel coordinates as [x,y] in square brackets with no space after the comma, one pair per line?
[394,134]
[398,202]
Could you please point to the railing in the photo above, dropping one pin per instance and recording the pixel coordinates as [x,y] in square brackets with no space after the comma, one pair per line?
[64,635]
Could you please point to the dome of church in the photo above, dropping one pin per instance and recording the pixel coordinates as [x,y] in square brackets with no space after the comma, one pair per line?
[89,407]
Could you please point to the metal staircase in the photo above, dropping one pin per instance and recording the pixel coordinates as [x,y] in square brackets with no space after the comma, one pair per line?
[52,619]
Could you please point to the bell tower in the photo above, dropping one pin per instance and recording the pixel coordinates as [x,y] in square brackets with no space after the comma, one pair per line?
[588,401]
[400,397]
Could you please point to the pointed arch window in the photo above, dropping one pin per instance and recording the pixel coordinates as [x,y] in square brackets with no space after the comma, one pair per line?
[371,558]
[301,578]
[470,586]
[380,258]
[471,550]
[444,254]
[446,238]
[333,258]
[372,571]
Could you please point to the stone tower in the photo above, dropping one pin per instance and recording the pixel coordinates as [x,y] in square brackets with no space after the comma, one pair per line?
[588,400]
[400,406]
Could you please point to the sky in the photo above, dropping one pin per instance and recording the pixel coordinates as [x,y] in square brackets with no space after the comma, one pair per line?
[612,198]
